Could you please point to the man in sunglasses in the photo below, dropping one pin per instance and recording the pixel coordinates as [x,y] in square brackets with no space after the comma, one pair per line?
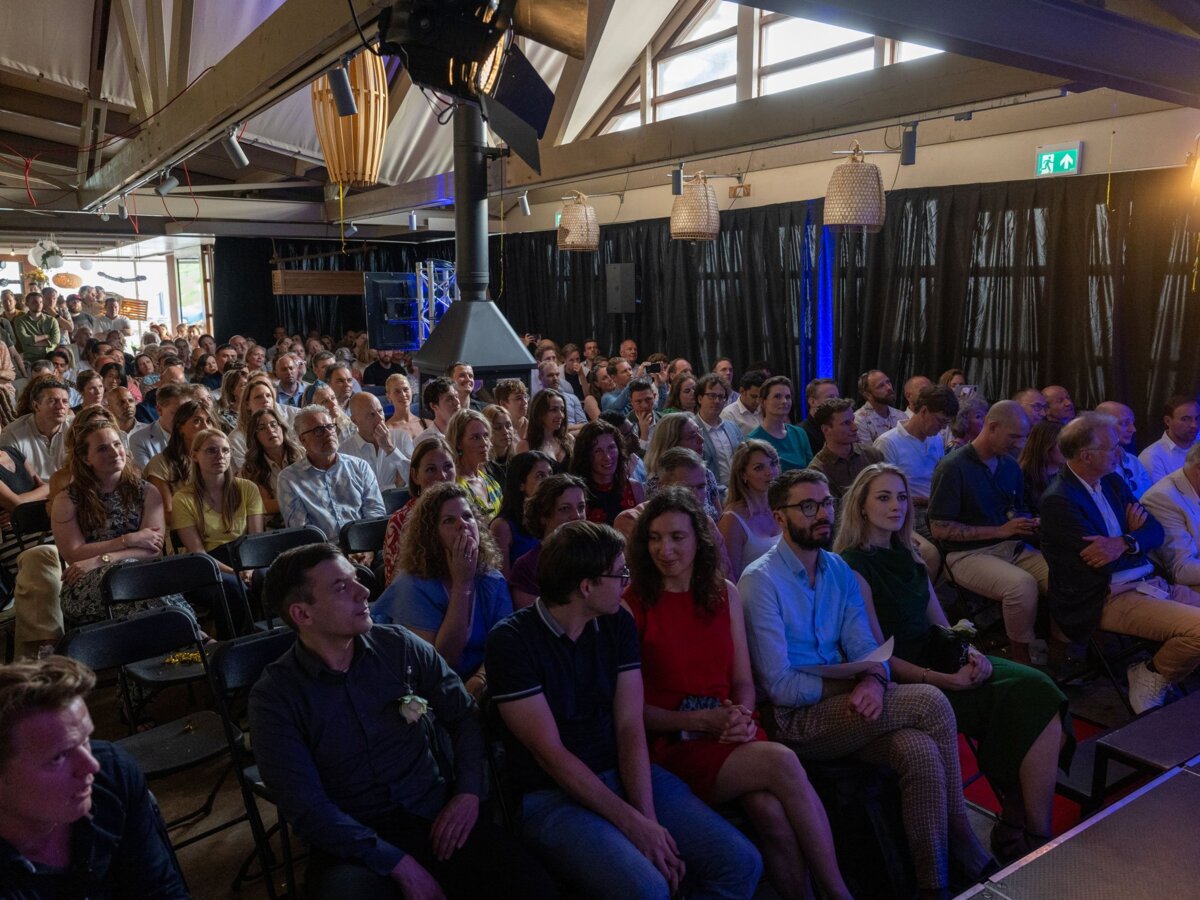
[803,608]
[326,488]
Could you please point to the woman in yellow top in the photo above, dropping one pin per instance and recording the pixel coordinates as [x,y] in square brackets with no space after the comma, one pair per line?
[215,508]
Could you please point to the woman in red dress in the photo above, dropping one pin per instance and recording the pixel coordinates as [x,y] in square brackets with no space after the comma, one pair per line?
[700,696]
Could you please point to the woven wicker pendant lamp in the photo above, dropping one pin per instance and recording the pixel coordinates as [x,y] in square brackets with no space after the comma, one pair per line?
[353,145]
[578,230]
[694,215]
[855,196]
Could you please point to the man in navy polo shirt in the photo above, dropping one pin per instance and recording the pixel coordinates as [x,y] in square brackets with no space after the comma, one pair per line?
[977,511]
[567,678]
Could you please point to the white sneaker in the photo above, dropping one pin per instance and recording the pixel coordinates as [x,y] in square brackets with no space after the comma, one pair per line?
[1147,690]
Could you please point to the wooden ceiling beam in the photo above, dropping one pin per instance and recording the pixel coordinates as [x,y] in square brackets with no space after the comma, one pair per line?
[292,46]
[143,98]
[180,60]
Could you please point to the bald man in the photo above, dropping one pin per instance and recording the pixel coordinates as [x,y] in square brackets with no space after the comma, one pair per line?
[1129,467]
[1061,406]
[372,442]
[912,389]
[977,512]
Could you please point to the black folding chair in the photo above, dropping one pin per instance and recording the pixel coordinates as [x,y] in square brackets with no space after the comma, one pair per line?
[366,536]
[394,498]
[173,746]
[235,666]
[258,551]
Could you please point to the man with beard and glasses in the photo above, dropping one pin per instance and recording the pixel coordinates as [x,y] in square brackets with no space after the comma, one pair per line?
[803,608]
[876,415]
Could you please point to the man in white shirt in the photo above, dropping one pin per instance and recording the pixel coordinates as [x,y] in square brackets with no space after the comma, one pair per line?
[744,411]
[1181,416]
[912,390]
[147,442]
[112,320]
[915,445]
[877,414]
[373,444]
[1175,502]
[38,435]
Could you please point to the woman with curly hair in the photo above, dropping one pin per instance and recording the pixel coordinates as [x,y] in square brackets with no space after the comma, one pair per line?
[599,459]
[449,590]
[172,469]
[547,430]
[470,437]
[106,514]
[682,397]
[432,462]
[272,449]
[699,709]
[525,473]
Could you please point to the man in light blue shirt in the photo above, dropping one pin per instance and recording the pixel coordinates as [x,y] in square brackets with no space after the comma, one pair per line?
[152,440]
[803,608]
[326,488]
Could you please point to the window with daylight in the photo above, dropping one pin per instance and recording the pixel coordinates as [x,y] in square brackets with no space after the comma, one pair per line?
[695,68]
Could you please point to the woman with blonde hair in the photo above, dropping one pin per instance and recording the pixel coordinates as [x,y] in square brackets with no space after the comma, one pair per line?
[106,515]
[449,590]
[748,526]
[470,438]
[272,449]
[405,427]
[547,430]
[1016,712]
[504,441]
[214,509]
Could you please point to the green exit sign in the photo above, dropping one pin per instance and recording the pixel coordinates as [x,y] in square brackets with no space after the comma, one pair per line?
[1059,159]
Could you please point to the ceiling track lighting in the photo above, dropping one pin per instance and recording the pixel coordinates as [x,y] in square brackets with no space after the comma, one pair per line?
[412,220]
[104,216]
[168,184]
[677,180]
[233,149]
[339,87]
[349,229]
[524,204]
[122,209]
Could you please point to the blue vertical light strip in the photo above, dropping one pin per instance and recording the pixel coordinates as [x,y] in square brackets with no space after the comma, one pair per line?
[827,262]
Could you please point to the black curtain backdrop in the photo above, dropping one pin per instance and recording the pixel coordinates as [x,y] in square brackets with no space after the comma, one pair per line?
[1082,281]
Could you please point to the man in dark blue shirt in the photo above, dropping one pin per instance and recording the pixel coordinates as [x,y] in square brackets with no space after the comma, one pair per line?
[345,729]
[76,818]
[977,511]
[566,675]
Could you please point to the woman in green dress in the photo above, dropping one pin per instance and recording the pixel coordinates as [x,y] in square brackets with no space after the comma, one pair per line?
[1018,715]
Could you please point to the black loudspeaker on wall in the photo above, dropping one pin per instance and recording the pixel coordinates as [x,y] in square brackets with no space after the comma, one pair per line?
[622,292]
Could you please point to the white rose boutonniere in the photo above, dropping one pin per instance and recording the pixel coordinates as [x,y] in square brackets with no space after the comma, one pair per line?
[412,708]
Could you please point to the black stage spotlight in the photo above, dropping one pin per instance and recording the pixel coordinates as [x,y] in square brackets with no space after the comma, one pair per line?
[908,145]
[339,86]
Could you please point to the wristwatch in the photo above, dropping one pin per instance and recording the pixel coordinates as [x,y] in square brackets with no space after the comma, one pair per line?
[1131,545]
